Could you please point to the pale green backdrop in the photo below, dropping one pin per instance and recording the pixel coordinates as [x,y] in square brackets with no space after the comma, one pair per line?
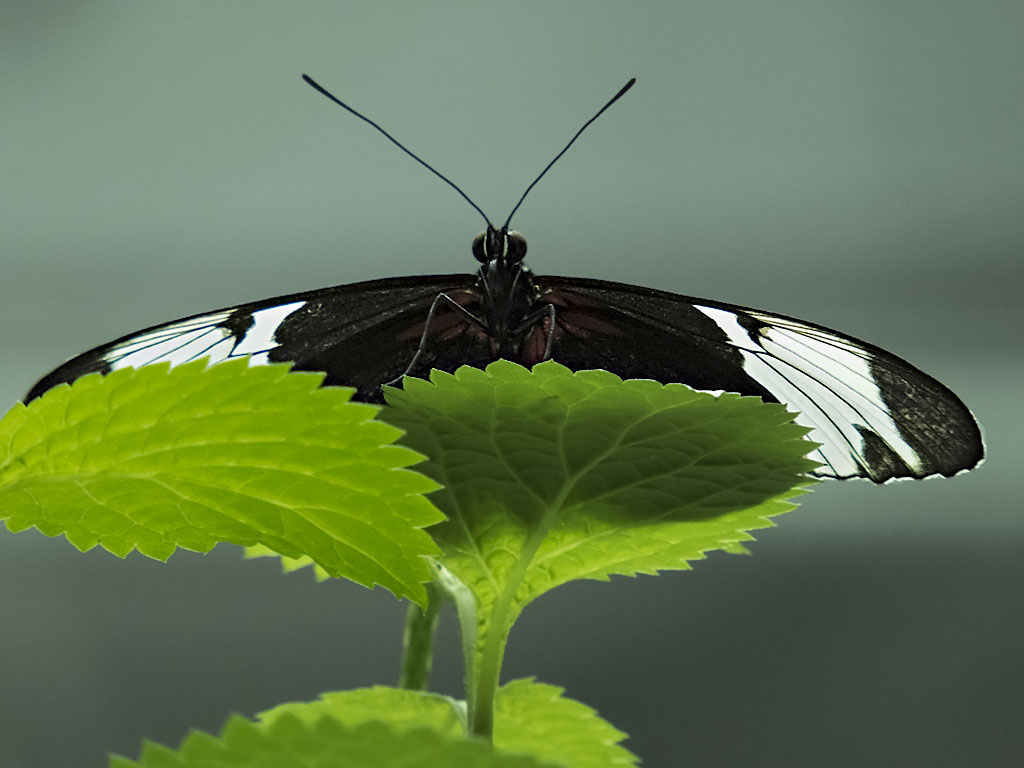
[857,164]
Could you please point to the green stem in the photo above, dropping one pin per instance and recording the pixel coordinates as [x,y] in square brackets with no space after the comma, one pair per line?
[499,624]
[483,670]
[418,641]
[465,608]
[481,711]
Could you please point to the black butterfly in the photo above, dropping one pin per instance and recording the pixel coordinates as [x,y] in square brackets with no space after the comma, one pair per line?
[875,415]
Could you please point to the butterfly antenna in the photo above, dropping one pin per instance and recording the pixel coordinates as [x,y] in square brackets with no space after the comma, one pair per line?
[402,147]
[613,99]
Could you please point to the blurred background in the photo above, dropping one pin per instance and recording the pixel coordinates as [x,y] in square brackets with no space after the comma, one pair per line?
[860,165]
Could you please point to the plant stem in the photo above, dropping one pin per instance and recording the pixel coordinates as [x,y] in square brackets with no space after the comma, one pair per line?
[465,608]
[418,641]
[481,710]
[495,637]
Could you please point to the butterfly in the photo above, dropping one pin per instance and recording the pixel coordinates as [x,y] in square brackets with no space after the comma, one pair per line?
[875,415]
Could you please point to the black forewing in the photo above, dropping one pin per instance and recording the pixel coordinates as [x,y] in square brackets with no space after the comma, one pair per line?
[876,415]
[361,335]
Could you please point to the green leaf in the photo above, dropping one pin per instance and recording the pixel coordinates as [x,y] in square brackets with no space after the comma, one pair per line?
[154,459]
[289,742]
[550,475]
[398,707]
[530,718]
[535,719]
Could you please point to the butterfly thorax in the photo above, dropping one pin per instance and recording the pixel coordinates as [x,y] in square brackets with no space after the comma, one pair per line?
[508,293]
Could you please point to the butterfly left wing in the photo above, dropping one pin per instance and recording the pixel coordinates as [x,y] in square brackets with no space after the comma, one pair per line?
[362,335]
[875,415]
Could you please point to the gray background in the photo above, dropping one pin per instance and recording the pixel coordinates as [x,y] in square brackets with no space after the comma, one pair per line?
[856,164]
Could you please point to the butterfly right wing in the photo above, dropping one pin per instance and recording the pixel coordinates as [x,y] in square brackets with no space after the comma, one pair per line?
[875,415]
[362,335]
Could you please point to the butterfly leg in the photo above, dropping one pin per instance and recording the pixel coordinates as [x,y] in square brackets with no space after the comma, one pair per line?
[441,298]
[549,342]
[523,330]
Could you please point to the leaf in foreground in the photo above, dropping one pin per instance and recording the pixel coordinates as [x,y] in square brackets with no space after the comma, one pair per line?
[154,459]
[530,718]
[291,743]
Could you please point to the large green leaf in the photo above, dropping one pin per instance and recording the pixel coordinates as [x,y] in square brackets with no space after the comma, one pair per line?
[550,475]
[154,459]
[289,742]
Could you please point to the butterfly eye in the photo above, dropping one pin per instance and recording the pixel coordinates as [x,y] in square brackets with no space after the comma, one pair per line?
[499,244]
[516,245]
[478,248]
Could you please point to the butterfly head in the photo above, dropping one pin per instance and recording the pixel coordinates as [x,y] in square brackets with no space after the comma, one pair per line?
[499,246]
